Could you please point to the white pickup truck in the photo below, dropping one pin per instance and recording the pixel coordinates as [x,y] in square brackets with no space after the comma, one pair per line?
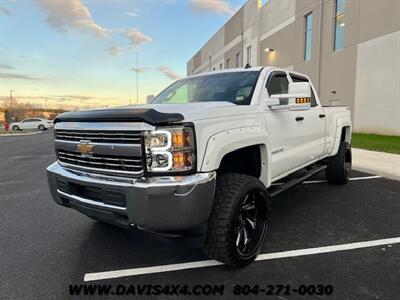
[198,162]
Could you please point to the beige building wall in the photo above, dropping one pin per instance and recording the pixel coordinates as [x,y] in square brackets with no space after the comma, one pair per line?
[377,89]
[365,69]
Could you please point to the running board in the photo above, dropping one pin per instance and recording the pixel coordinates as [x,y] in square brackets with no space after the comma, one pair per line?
[292,182]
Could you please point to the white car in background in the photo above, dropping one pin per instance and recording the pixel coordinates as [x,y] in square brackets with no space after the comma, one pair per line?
[33,123]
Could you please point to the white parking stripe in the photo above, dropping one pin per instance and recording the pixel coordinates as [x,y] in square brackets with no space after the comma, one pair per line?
[321,181]
[210,263]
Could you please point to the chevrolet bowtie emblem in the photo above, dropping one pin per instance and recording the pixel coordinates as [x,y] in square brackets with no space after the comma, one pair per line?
[84,147]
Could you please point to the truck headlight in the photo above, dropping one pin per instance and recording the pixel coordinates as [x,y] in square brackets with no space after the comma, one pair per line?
[170,150]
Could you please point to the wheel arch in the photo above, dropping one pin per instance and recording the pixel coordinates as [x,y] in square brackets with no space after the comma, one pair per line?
[250,145]
[343,133]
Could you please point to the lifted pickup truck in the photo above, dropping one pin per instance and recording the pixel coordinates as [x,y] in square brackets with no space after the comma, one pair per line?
[198,162]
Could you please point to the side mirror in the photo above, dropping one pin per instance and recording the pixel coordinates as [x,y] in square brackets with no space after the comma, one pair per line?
[298,98]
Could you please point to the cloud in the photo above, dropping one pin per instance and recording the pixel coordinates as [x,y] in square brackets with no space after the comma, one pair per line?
[19,76]
[133,13]
[168,72]
[137,38]
[71,14]
[8,67]
[114,50]
[140,69]
[5,11]
[216,6]
[71,97]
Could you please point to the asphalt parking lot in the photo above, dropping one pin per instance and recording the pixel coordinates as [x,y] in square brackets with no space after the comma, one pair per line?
[45,247]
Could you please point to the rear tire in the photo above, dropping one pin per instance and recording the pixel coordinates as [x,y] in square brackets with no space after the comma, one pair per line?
[15,128]
[339,166]
[239,220]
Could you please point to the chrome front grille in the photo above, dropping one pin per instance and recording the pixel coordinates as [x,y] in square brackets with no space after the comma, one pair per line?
[116,137]
[110,152]
[123,165]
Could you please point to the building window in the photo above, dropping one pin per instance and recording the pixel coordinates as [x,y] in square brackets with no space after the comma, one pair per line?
[220,66]
[227,63]
[308,36]
[237,60]
[248,62]
[339,25]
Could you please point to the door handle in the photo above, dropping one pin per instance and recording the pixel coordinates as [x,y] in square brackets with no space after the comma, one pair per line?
[299,119]
[322,116]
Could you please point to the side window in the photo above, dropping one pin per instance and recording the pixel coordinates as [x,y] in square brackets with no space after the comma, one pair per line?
[27,121]
[278,84]
[297,78]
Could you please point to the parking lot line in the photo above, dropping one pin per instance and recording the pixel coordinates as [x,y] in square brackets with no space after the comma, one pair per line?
[210,263]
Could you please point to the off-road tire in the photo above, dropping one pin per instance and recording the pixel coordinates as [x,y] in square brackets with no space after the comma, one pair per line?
[337,172]
[220,242]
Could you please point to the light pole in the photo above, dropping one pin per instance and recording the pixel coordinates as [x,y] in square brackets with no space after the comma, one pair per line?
[11,103]
[137,76]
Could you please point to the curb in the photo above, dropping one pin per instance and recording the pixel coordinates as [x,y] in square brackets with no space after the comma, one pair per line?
[376,172]
[20,134]
[380,163]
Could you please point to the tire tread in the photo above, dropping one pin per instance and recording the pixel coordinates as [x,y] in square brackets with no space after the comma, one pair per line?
[219,239]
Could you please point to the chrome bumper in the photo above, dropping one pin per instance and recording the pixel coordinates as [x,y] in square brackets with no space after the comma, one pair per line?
[155,203]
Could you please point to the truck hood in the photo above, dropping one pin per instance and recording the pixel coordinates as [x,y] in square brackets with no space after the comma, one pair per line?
[157,114]
[194,111]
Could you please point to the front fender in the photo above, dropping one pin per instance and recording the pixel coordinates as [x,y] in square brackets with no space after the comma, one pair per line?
[222,143]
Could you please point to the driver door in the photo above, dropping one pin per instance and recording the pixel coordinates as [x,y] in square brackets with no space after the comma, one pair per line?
[286,133]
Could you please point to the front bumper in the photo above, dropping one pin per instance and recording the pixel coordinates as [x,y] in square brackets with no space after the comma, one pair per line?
[160,204]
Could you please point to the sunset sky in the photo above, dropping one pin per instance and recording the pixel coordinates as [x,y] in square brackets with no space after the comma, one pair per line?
[79,53]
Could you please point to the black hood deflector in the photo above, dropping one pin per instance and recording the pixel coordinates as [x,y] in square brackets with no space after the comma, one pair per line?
[148,115]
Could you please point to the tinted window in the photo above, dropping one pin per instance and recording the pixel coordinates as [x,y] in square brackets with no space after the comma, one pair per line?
[235,87]
[277,84]
[297,78]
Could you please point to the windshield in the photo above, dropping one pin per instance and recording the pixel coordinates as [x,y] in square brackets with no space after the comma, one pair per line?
[235,87]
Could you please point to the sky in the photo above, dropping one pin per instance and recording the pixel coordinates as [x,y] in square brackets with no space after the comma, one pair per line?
[76,54]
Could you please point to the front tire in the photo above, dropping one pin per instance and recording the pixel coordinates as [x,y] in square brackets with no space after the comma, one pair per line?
[15,128]
[41,127]
[339,166]
[239,220]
